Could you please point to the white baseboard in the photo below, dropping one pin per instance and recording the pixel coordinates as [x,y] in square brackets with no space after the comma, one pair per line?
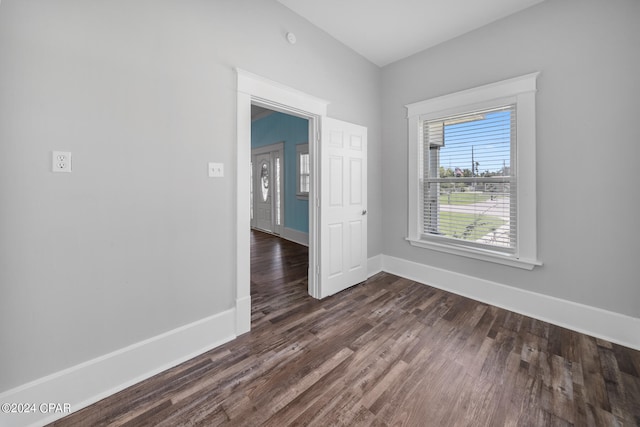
[614,327]
[88,382]
[374,265]
[243,315]
[299,237]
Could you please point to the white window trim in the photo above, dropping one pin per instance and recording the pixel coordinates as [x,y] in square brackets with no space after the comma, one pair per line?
[301,149]
[520,90]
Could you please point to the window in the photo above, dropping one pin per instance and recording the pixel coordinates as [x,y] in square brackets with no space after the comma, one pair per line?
[467,182]
[264,180]
[304,171]
[472,178]
[278,186]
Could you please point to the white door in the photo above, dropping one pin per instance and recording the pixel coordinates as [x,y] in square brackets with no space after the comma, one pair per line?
[262,189]
[267,188]
[343,203]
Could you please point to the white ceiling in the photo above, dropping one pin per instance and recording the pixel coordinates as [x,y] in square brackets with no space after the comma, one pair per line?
[385,31]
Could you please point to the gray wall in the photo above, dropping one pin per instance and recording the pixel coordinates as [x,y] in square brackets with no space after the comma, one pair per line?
[138,240]
[588,52]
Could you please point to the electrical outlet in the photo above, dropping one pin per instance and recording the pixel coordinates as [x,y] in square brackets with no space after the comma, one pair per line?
[216,170]
[61,161]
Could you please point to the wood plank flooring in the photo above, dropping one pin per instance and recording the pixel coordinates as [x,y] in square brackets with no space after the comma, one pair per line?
[388,352]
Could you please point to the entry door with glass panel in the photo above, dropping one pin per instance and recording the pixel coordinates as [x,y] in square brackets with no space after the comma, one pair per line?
[267,188]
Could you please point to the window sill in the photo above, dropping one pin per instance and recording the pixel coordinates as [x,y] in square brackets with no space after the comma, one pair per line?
[480,254]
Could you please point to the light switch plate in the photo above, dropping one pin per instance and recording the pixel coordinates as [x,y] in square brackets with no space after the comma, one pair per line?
[61,161]
[216,170]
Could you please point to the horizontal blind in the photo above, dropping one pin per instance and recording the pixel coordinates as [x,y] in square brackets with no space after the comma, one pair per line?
[469,182]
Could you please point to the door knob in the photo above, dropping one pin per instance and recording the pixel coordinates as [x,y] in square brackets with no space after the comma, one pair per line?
[364,212]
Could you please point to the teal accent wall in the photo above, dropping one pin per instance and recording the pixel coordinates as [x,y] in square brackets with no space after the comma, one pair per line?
[279,127]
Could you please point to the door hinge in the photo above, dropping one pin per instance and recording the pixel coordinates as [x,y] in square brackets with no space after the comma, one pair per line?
[317,269]
[318,137]
[317,202]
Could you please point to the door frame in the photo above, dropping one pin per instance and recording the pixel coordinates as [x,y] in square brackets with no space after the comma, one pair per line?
[257,90]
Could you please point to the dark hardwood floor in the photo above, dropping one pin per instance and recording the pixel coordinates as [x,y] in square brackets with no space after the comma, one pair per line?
[388,352]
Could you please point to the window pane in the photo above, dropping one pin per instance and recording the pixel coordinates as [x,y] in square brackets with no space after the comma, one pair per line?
[277,190]
[479,147]
[304,183]
[264,181]
[303,173]
[468,183]
[304,164]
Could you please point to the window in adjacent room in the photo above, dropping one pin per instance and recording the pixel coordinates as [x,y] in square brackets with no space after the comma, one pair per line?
[278,195]
[472,178]
[304,171]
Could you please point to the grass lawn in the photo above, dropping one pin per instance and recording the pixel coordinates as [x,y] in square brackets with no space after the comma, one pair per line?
[464,198]
[467,226]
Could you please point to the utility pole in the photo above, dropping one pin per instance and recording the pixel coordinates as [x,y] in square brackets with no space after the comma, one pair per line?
[473,163]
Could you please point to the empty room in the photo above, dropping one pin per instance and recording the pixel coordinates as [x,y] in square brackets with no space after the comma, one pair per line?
[297,212]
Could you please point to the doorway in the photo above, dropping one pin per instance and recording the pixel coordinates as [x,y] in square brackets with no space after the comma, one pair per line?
[340,232]
[280,174]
